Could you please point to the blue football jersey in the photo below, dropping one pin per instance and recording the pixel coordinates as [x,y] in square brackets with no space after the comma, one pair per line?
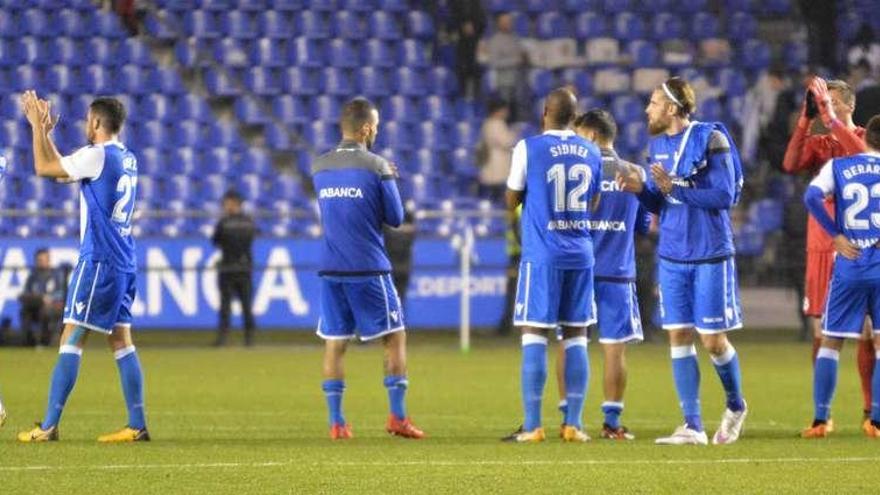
[108,174]
[695,218]
[559,173]
[356,193]
[855,183]
[614,224]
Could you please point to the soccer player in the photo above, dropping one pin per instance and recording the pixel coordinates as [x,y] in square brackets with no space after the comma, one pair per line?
[103,284]
[696,178]
[613,225]
[357,193]
[555,176]
[854,292]
[808,153]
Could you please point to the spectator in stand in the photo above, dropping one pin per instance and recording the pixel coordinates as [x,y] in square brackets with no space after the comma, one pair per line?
[808,153]
[866,47]
[504,54]
[468,24]
[760,108]
[42,300]
[494,151]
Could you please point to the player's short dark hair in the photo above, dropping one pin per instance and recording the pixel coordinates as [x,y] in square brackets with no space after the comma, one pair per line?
[600,121]
[355,113]
[845,90]
[684,95]
[561,106]
[232,195]
[111,112]
[872,133]
[42,250]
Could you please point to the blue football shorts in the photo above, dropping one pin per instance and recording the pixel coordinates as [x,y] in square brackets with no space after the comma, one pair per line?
[848,302]
[617,308]
[99,296]
[547,297]
[366,306]
[704,296]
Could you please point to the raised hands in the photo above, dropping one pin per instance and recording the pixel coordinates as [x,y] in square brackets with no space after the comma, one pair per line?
[38,112]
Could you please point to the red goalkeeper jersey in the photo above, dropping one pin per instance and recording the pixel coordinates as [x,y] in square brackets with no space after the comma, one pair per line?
[807,153]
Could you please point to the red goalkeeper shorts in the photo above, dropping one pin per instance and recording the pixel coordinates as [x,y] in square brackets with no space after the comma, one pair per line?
[819,266]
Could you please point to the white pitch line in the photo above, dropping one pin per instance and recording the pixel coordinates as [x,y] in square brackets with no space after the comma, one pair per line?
[584,462]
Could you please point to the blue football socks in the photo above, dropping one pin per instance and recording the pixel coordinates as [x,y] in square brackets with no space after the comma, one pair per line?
[686,374]
[534,374]
[396,386]
[727,366]
[576,377]
[824,381]
[612,412]
[62,382]
[333,390]
[132,379]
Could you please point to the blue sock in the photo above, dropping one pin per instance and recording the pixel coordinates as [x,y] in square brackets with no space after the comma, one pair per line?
[824,381]
[534,374]
[396,386]
[63,380]
[686,374]
[333,390]
[132,386]
[563,408]
[612,411]
[727,366]
[577,373]
[875,389]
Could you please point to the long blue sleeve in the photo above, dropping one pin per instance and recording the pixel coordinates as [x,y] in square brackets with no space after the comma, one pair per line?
[721,190]
[814,199]
[643,220]
[651,197]
[391,203]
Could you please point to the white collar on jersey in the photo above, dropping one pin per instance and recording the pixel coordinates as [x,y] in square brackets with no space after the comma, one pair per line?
[873,153]
[560,132]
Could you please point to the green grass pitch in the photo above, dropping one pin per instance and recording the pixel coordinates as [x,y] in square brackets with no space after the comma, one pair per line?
[254,421]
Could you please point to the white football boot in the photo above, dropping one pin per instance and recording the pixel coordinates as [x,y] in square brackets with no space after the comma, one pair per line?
[684,436]
[731,426]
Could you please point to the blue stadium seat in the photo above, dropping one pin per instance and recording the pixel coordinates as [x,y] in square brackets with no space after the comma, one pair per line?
[401,109]
[32,51]
[553,25]
[223,134]
[384,26]
[426,161]
[628,26]
[413,54]
[269,52]
[218,5]
[166,80]
[580,79]
[710,110]
[240,25]
[343,54]
[733,82]
[150,134]
[379,54]
[397,136]
[777,7]
[443,81]
[574,7]
[249,111]
[668,26]
[322,5]
[499,6]
[433,137]
[767,214]
[627,109]
[300,81]
[288,5]
[58,79]
[326,108]
[420,25]
[439,110]
[396,6]
[191,106]
[153,107]
[219,83]
[373,82]
[74,23]
[231,53]
[200,24]
[34,22]
[409,82]
[795,55]
[274,25]
[690,6]
[742,26]
[749,241]
[338,82]
[214,161]
[305,52]
[278,138]
[703,26]
[644,53]
[181,159]
[313,25]
[522,25]
[537,6]
[10,26]
[133,51]
[323,136]
[186,52]
[738,5]
[755,55]
[633,138]
[619,6]
[360,6]
[263,81]
[95,79]
[541,82]
[349,25]
[292,110]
